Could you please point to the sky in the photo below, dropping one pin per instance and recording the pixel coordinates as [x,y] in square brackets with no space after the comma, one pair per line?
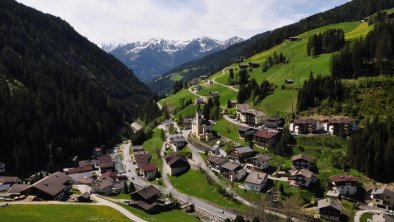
[124,21]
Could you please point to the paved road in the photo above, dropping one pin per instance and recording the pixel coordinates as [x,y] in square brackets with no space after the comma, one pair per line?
[227,118]
[358,214]
[230,87]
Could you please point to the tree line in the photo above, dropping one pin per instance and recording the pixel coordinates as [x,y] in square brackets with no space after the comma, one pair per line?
[367,56]
[371,149]
[315,90]
[254,92]
[274,59]
[329,41]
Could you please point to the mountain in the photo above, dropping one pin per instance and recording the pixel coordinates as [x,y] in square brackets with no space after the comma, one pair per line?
[60,95]
[351,11]
[153,58]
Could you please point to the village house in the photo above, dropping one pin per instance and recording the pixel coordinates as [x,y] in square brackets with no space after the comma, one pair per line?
[97,151]
[304,126]
[249,116]
[103,186]
[7,181]
[254,65]
[256,181]
[301,161]
[200,100]
[193,82]
[187,123]
[145,199]
[345,185]
[302,177]
[138,149]
[201,127]
[197,88]
[52,187]
[83,163]
[149,171]
[267,137]
[213,94]
[289,81]
[177,142]
[382,198]
[339,126]
[215,163]
[274,123]
[16,189]
[240,154]
[232,171]
[176,165]
[84,180]
[216,150]
[105,163]
[84,198]
[246,132]
[260,162]
[142,159]
[243,66]
[330,209]
[294,38]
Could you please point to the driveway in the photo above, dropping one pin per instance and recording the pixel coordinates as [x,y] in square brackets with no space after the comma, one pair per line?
[359,213]
[214,80]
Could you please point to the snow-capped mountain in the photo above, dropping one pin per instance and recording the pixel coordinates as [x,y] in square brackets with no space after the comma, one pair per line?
[157,56]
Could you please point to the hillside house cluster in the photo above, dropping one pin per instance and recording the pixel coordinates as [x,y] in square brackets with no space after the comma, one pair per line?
[264,137]
[142,158]
[202,128]
[242,164]
[337,125]
[300,173]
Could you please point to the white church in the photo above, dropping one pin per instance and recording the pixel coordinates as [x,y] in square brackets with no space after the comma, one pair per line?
[201,127]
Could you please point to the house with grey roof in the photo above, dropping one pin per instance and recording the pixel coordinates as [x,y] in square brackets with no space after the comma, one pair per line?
[302,178]
[145,199]
[215,163]
[256,181]
[259,162]
[52,187]
[233,171]
[177,142]
[382,198]
[240,154]
[330,209]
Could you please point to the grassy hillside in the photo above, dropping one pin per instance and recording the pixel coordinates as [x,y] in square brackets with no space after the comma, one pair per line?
[174,101]
[280,102]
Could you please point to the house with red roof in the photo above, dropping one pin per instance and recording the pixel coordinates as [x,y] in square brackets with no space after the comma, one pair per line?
[344,184]
[149,171]
[267,137]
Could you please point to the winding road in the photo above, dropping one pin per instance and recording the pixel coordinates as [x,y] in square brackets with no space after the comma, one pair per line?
[230,87]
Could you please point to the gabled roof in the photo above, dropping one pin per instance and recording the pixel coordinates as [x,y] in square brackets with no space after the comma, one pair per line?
[147,192]
[217,160]
[245,129]
[244,149]
[80,169]
[83,163]
[105,158]
[262,158]
[303,172]
[230,166]
[266,134]
[302,157]
[244,108]
[17,188]
[176,161]
[383,191]
[177,138]
[330,202]
[149,168]
[52,184]
[142,159]
[343,178]
[9,180]
[136,148]
[256,177]
[104,183]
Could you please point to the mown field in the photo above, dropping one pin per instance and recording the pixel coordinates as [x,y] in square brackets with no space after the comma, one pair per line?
[63,213]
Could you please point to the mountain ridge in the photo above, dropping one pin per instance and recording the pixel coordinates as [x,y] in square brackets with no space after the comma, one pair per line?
[154,57]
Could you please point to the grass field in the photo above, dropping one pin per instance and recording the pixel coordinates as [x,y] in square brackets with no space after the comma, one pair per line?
[229,130]
[63,213]
[280,102]
[365,217]
[225,93]
[202,189]
[188,111]
[173,101]
[153,146]
[174,215]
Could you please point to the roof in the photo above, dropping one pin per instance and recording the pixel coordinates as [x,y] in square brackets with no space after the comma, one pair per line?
[177,138]
[103,183]
[383,191]
[262,158]
[148,192]
[80,169]
[330,202]
[305,121]
[17,188]
[244,108]
[9,180]
[84,180]
[83,163]
[343,178]
[142,158]
[143,205]
[135,148]
[302,157]
[52,184]
[85,195]
[105,158]
[244,129]
[303,172]
[176,161]
[149,168]
[244,149]
[216,160]
[256,177]
[266,134]
[230,166]
[105,165]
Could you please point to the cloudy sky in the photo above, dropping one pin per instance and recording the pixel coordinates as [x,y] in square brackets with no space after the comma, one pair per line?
[122,21]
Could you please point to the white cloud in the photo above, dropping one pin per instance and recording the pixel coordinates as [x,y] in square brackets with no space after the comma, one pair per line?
[121,21]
